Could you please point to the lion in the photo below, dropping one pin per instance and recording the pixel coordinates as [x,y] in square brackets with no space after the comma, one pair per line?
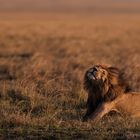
[125,104]
[103,84]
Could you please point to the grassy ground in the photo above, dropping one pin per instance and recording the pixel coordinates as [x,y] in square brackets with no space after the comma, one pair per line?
[41,75]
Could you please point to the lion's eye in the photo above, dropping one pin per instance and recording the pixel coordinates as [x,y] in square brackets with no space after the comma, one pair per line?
[103,72]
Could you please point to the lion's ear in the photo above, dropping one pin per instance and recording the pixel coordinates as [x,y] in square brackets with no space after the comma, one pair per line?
[113,70]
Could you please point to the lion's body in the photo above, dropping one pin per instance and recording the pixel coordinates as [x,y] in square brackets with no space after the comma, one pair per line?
[126,104]
[103,84]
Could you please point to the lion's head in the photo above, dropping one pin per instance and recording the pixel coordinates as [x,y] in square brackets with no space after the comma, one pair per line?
[97,74]
[105,82]
[101,74]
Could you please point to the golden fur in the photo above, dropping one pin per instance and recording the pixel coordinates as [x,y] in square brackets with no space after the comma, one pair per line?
[127,104]
[103,84]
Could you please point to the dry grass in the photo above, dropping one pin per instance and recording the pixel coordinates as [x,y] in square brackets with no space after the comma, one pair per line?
[41,73]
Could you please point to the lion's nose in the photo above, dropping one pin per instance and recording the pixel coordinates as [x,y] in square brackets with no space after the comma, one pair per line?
[90,71]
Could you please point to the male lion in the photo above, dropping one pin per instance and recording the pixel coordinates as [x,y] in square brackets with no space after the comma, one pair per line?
[103,84]
[127,104]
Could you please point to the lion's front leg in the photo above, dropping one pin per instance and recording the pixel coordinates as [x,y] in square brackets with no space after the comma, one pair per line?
[88,113]
[101,110]
[90,109]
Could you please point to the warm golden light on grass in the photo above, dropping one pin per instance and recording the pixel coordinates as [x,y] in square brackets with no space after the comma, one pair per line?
[42,96]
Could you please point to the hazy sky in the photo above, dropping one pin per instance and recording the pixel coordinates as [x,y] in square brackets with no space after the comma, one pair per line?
[38,5]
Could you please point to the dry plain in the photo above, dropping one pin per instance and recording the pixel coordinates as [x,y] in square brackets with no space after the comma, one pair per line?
[42,64]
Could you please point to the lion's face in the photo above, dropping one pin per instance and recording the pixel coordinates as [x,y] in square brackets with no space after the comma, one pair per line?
[97,73]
